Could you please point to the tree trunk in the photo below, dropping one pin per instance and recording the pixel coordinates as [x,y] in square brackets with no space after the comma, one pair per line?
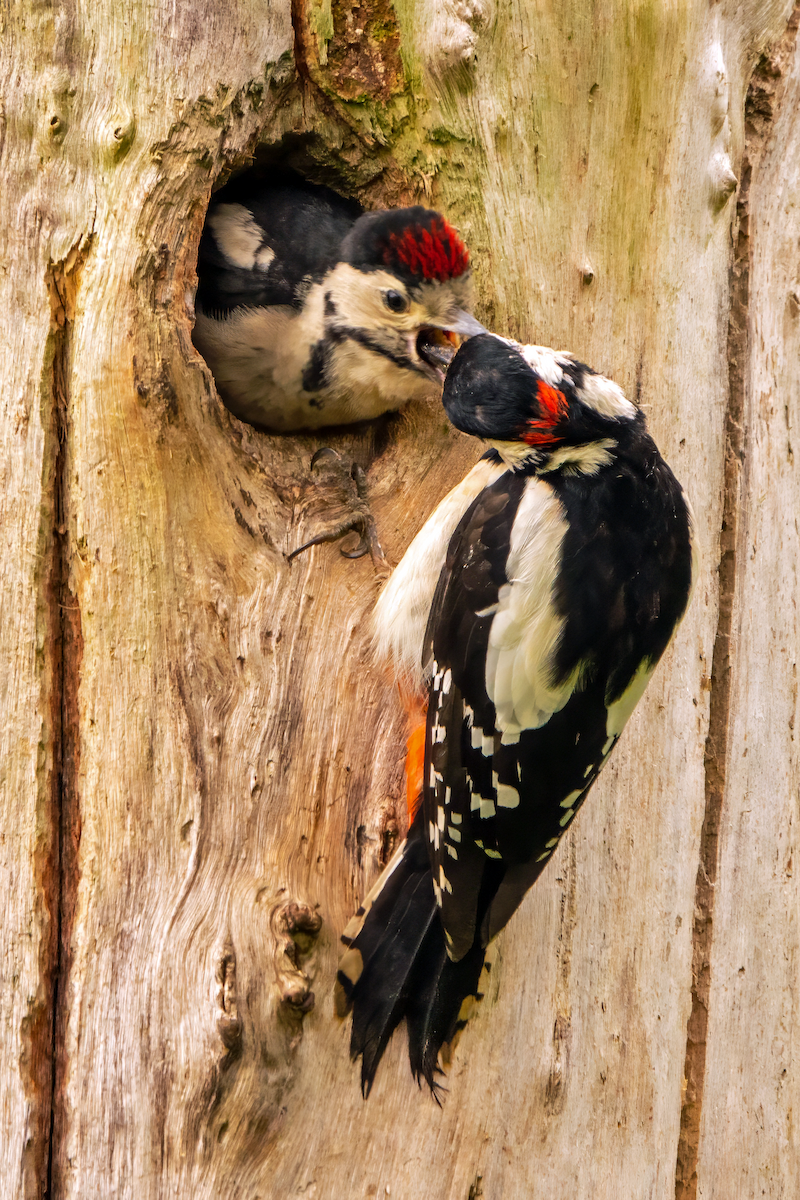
[203,767]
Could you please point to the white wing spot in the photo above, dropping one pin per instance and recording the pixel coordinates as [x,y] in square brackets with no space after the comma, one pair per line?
[448,791]
[509,739]
[455,817]
[474,802]
[439,733]
[447,680]
[444,882]
[546,854]
[507,797]
[493,853]
[440,817]
[609,745]
[431,830]
[487,808]
[455,834]
[567,817]
[476,737]
[487,746]
[588,771]
[551,843]
[451,852]
[489,611]
[571,798]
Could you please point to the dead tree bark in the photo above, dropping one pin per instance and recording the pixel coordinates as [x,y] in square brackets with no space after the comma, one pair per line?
[201,766]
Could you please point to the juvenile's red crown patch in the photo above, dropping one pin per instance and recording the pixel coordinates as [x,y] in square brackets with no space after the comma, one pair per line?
[435,253]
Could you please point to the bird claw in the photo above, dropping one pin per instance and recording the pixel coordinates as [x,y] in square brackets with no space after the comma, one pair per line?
[356,519]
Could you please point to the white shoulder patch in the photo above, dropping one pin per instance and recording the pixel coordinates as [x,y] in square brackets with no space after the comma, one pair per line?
[401,613]
[696,552]
[618,712]
[239,236]
[526,628]
[586,459]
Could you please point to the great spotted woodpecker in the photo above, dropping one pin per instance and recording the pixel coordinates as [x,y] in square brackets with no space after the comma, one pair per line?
[311,312]
[534,605]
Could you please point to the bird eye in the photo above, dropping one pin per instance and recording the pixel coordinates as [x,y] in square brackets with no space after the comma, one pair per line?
[396,301]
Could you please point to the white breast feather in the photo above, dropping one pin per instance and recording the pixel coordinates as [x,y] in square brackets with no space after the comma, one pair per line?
[401,613]
[526,628]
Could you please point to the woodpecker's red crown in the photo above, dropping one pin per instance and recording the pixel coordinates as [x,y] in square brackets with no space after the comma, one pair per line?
[416,244]
[434,253]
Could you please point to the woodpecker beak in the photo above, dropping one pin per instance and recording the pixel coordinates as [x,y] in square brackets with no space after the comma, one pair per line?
[437,345]
[466,325]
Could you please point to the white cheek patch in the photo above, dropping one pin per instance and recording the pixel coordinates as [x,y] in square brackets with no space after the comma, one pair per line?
[544,362]
[605,397]
[239,236]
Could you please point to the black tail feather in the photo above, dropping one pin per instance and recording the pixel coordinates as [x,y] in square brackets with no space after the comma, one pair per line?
[397,966]
[434,1012]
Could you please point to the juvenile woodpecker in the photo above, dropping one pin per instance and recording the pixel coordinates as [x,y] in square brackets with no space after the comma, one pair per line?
[534,605]
[312,312]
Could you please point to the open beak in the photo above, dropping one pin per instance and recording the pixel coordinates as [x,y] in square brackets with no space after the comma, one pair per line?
[437,345]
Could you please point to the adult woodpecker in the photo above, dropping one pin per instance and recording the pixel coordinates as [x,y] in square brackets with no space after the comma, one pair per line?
[311,312]
[534,604]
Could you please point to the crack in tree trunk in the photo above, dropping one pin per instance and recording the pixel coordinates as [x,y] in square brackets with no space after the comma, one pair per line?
[66,649]
[760,109]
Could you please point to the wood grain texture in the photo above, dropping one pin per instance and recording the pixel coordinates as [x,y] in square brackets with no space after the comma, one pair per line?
[224,749]
[749,1143]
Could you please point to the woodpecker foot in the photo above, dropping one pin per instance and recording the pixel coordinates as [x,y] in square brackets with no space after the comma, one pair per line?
[342,507]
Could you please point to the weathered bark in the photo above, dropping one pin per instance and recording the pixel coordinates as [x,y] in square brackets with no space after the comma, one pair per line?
[202,768]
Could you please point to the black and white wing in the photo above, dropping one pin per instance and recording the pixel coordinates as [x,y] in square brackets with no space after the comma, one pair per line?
[265,242]
[558,597]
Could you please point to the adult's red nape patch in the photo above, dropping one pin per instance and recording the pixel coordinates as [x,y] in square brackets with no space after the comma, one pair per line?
[434,253]
[553,405]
